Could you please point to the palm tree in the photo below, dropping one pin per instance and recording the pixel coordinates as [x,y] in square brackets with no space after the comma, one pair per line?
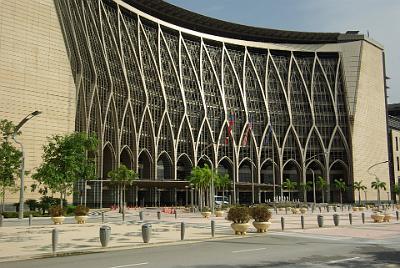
[201,178]
[289,185]
[359,187]
[322,185]
[341,186]
[121,177]
[222,181]
[396,191]
[377,185]
[305,187]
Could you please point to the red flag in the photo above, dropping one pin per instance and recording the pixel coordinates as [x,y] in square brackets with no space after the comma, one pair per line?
[231,122]
[249,128]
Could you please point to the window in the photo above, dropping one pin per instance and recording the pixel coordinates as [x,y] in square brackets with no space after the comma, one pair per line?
[397,144]
[398,168]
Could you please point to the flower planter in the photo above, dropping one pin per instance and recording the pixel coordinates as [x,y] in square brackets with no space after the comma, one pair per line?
[81,219]
[361,208]
[356,208]
[295,210]
[377,217]
[240,228]
[303,210]
[219,213]
[206,214]
[387,217]
[398,206]
[58,220]
[261,226]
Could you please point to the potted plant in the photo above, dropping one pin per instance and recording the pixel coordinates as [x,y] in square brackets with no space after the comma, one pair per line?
[388,217]
[81,214]
[219,212]
[295,210]
[377,216]
[240,217]
[206,212]
[303,210]
[57,214]
[261,216]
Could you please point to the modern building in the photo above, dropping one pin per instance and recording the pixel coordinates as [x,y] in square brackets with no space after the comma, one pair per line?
[393,140]
[166,89]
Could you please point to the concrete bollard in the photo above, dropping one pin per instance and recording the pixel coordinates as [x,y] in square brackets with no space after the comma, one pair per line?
[336,219]
[105,235]
[212,228]
[30,219]
[146,232]
[351,218]
[320,220]
[54,240]
[123,214]
[302,221]
[102,217]
[283,223]
[159,215]
[182,230]
[397,215]
[141,215]
[363,217]
[1,220]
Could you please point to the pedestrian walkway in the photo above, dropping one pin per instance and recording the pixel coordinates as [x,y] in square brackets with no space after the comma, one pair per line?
[22,242]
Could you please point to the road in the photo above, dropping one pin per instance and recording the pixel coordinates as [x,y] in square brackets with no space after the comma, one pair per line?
[273,250]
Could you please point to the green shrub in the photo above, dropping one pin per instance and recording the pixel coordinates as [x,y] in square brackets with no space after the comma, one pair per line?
[70,209]
[205,209]
[238,214]
[56,211]
[13,214]
[47,201]
[260,213]
[81,210]
[32,204]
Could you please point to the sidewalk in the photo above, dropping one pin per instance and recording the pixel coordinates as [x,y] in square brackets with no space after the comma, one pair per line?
[24,242]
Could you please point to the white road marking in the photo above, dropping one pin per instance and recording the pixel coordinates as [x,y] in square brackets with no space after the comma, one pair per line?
[129,265]
[247,250]
[343,260]
[312,236]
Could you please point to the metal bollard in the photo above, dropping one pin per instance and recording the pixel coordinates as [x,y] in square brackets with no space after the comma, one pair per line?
[351,218]
[397,215]
[286,209]
[363,217]
[302,221]
[319,209]
[336,219]
[102,217]
[212,228]
[320,220]
[182,230]
[30,219]
[283,223]
[1,220]
[176,214]
[123,214]
[159,215]
[141,215]
[342,208]
[105,234]
[146,232]
[54,240]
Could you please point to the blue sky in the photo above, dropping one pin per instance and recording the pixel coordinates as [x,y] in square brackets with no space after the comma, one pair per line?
[381,18]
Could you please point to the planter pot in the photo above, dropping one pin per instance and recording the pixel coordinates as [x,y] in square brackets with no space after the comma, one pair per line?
[320,220]
[377,217]
[387,217]
[361,208]
[356,208]
[219,213]
[336,219]
[240,228]
[81,219]
[303,210]
[58,220]
[206,214]
[398,206]
[261,226]
[295,210]
[281,209]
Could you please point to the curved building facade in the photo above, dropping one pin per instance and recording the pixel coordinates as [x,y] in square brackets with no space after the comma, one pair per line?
[166,89]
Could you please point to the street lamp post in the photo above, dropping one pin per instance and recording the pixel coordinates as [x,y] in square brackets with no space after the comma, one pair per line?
[365,195]
[373,174]
[21,191]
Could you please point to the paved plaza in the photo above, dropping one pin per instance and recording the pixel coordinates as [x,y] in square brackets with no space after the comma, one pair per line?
[19,241]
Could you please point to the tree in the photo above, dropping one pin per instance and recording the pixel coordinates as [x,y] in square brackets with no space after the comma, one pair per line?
[122,176]
[65,161]
[305,187]
[201,178]
[222,181]
[396,191]
[377,185]
[10,160]
[359,187]
[322,184]
[340,185]
[289,185]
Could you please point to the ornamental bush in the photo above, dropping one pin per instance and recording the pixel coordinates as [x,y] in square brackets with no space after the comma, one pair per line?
[260,213]
[56,211]
[238,214]
[81,210]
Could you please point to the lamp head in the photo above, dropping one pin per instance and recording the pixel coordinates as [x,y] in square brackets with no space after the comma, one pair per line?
[36,113]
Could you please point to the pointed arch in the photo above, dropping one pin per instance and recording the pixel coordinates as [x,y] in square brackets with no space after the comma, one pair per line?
[226,145]
[225,166]
[164,167]
[247,171]
[165,137]
[338,147]
[269,148]
[110,131]
[128,129]
[205,143]
[184,166]
[126,157]
[109,159]
[248,145]
[338,169]
[314,147]
[146,136]
[185,141]
[292,171]
[291,147]
[145,164]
